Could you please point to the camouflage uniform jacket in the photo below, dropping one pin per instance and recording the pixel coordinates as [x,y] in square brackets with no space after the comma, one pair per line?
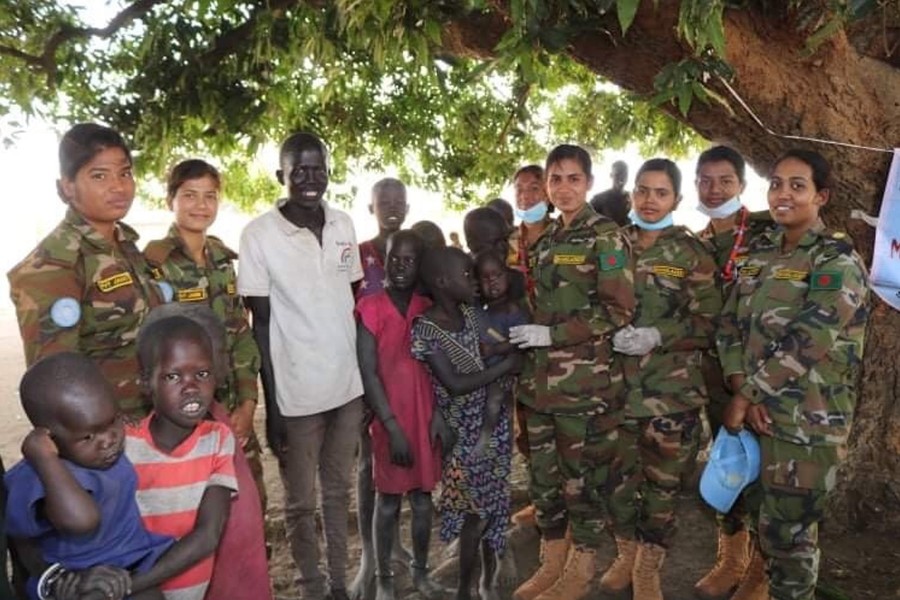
[583,292]
[731,245]
[77,292]
[215,285]
[794,325]
[675,286]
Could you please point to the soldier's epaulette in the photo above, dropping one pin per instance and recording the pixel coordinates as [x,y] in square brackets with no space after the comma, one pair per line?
[693,240]
[837,241]
[217,247]
[157,251]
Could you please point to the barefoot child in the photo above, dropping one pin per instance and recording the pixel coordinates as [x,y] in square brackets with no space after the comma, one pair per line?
[184,462]
[406,459]
[499,313]
[475,496]
[74,491]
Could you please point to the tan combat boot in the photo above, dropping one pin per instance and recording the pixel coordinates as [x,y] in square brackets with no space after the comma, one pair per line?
[645,575]
[553,561]
[576,578]
[527,517]
[755,583]
[732,559]
[618,576]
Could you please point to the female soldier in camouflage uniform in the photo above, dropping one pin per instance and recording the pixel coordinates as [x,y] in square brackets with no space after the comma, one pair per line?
[582,293]
[677,302]
[791,343]
[86,287]
[200,269]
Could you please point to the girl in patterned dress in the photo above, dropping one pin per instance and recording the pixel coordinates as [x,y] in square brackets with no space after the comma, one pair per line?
[475,497]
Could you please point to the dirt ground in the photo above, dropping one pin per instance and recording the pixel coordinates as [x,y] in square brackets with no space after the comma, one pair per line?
[855,566]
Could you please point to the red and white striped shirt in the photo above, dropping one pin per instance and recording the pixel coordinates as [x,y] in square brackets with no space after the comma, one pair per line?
[171,486]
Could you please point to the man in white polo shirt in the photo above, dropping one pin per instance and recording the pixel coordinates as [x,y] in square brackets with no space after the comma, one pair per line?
[297,263]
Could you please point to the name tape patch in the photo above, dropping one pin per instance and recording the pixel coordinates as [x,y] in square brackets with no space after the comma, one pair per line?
[569,259]
[669,271]
[192,295]
[115,282]
[790,275]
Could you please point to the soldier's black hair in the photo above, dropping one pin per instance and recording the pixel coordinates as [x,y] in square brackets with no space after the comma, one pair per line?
[436,263]
[821,168]
[41,386]
[666,166]
[156,335]
[83,142]
[431,234]
[484,223]
[503,207]
[536,170]
[187,170]
[723,153]
[571,152]
[301,141]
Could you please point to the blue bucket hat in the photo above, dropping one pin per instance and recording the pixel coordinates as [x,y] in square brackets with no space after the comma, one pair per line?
[733,465]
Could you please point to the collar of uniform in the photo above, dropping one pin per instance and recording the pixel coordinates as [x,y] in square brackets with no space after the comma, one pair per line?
[289,228]
[582,217]
[631,231]
[810,237]
[87,231]
[216,251]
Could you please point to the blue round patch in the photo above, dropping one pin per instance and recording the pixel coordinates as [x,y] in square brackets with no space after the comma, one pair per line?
[65,312]
[166,289]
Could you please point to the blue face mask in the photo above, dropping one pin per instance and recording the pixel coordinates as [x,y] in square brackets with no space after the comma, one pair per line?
[533,214]
[666,221]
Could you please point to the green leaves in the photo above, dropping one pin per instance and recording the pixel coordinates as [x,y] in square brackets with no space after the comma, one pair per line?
[626,10]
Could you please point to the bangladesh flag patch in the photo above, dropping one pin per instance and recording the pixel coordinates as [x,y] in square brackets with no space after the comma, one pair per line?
[610,261]
[826,280]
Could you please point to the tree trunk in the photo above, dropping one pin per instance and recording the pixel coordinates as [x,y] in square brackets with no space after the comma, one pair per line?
[838,94]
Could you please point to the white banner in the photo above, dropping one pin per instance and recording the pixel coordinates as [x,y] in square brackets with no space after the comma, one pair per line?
[885,275]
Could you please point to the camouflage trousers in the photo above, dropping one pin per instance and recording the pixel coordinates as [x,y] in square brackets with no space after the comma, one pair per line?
[569,457]
[719,397]
[786,506]
[652,453]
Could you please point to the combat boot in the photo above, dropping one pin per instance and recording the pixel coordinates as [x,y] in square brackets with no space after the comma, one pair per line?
[553,562]
[645,575]
[732,558]
[527,517]
[755,583]
[577,576]
[618,576]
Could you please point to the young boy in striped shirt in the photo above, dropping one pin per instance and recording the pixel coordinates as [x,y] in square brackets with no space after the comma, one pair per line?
[184,462]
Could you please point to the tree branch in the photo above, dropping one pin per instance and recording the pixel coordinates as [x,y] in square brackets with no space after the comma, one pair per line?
[46,60]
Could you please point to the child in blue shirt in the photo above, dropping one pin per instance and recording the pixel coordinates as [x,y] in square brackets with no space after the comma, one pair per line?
[73,495]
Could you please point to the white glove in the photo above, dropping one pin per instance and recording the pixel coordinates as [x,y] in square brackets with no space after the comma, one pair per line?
[636,341]
[530,336]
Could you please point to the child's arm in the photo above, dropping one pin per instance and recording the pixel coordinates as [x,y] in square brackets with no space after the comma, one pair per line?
[195,546]
[67,506]
[463,383]
[376,397]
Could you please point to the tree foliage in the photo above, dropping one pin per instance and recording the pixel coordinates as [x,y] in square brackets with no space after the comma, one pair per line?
[223,77]
[373,77]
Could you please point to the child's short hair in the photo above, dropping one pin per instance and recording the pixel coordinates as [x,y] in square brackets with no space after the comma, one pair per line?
[42,383]
[435,264]
[487,255]
[408,236]
[204,316]
[154,335]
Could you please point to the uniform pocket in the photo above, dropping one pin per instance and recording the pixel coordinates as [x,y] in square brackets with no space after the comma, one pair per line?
[800,467]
